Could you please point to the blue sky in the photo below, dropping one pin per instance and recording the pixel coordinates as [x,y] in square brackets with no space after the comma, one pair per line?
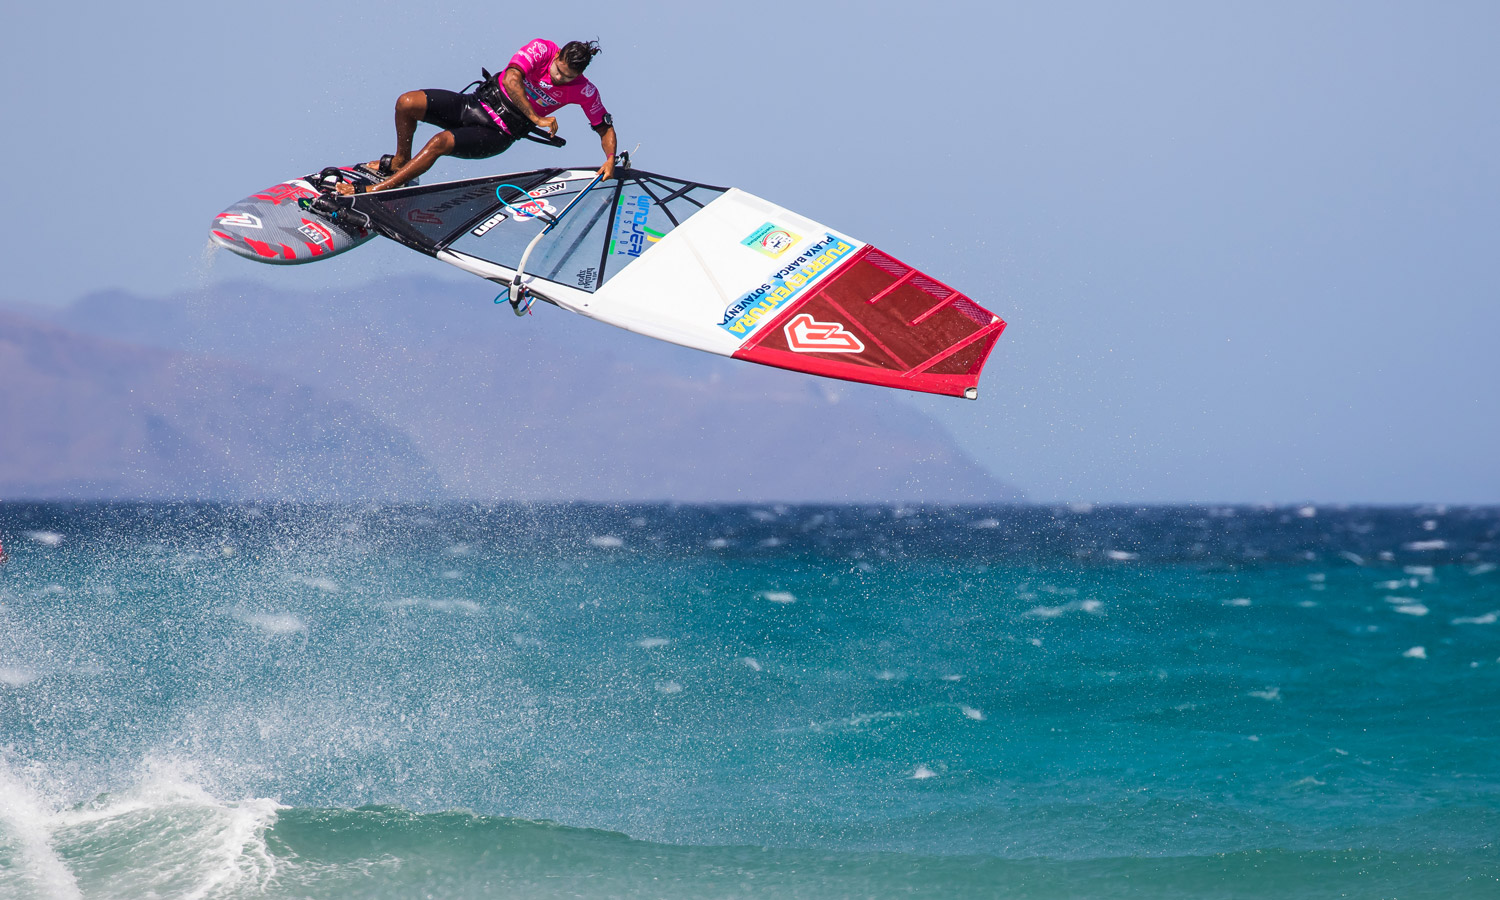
[1247,250]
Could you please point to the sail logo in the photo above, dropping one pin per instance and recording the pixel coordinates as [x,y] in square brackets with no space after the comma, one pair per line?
[772,240]
[631,233]
[756,307]
[804,334]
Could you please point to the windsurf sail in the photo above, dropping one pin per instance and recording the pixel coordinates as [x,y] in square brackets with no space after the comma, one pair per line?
[712,268]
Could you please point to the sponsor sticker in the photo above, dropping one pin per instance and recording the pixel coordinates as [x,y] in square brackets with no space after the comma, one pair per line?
[804,334]
[487,224]
[754,308]
[315,232]
[772,240]
[632,234]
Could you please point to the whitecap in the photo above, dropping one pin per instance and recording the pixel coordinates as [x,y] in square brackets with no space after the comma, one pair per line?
[953,678]
[459,549]
[1120,555]
[467,606]
[607,542]
[751,662]
[778,596]
[1270,693]
[1412,609]
[274,623]
[1309,781]
[1483,569]
[45,538]
[652,643]
[1398,601]
[888,675]
[771,542]
[1352,557]
[1488,618]
[1420,571]
[326,585]
[718,543]
[972,713]
[985,523]
[1036,642]
[15,677]
[668,687]
[1416,653]
[1317,577]
[922,773]
[1426,545]
[1307,512]
[1046,612]
[1238,601]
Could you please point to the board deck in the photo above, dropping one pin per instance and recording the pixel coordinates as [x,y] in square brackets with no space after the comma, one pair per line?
[273,225]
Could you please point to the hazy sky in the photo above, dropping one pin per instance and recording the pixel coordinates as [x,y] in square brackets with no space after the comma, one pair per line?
[1246,250]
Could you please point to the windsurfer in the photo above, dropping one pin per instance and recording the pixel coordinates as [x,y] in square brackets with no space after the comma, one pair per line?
[539,80]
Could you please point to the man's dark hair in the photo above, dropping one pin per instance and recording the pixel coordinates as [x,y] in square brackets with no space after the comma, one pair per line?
[578,54]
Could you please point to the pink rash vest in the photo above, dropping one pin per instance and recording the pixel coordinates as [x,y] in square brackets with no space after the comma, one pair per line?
[535,62]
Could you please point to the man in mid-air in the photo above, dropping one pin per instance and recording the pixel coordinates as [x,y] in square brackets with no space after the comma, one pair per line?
[540,80]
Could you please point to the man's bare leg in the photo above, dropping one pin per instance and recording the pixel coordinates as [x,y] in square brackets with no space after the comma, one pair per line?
[441,145]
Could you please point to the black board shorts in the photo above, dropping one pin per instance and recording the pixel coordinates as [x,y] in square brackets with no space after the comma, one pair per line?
[475,134]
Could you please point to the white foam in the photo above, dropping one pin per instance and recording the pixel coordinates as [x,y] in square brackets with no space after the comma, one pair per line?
[1483,569]
[1307,512]
[1352,557]
[668,687]
[1426,545]
[1238,601]
[1416,653]
[1317,577]
[16,677]
[1419,571]
[1397,601]
[459,549]
[45,538]
[1309,781]
[1270,693]
[326,585]
[922,773]
[985,523]
[652,643]
[607,542]
[29,823]
[1488,618]
[751,662]
[718,543]
[440,605]
[888,675]
[778,596]
[274,623]
[972,713]
[953,678]
[1413,609]
[1036,642]
[1120,555]
[771,542]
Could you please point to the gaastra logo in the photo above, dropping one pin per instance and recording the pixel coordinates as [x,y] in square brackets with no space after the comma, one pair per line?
[754,308]
[771,240]
[239,220]
[804,334]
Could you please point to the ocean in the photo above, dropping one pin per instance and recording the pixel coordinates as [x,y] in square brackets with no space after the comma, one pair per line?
[284,701]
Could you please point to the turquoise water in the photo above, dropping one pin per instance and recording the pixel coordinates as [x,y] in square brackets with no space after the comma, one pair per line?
[657,701]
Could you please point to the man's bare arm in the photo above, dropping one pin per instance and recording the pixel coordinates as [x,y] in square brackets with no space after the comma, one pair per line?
[607,142]
[517,94]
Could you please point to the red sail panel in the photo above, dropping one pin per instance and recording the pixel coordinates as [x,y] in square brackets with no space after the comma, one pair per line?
[879,321]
